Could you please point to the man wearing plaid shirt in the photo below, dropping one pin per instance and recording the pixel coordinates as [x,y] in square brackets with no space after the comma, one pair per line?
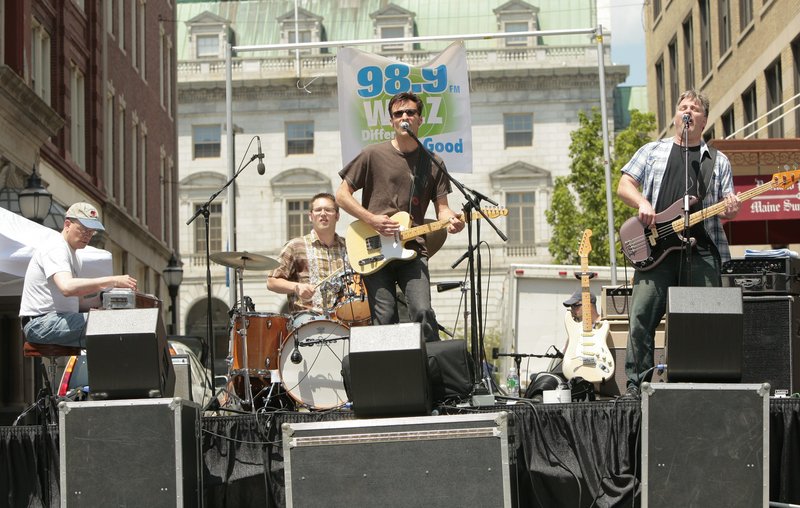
[652,180]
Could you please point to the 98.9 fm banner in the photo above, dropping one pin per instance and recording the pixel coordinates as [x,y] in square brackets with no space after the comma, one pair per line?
[367,82]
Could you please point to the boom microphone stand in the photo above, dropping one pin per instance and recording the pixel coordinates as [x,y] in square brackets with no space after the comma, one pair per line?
[472,197]
[210,343]
[686,238]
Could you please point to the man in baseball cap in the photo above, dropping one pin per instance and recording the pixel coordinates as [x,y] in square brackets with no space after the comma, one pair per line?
[575,304]
[86,214]
[50,307]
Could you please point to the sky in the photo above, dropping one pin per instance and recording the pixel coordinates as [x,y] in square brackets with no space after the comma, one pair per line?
[627,38]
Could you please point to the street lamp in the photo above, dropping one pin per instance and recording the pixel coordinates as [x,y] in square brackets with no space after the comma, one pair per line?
[35,200]
[173,276]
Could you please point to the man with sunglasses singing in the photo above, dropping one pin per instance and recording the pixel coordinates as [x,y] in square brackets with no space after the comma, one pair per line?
[397,176]
[50,308]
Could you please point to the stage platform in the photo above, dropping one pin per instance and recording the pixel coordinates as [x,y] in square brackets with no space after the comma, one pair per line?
[570,455]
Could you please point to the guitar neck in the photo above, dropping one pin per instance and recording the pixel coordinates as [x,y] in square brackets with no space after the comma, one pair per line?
[718,208]
[424,229]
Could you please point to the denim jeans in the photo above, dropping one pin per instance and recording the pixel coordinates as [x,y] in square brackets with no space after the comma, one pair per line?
[649,304]
[414,280]
[62,328]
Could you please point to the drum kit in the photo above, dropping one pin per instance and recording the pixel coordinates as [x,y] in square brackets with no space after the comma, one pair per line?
[300,355]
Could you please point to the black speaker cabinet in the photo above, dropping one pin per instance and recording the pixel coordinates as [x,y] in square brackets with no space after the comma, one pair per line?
[772,342]
[705,445]
[704,332]
[458,460]
[389,370]
[127,354]
[618,344]
[130,453]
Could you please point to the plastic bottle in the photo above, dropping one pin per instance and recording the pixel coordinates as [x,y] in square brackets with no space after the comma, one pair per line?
[512,382]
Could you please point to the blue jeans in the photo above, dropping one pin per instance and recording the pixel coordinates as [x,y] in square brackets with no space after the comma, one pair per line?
[62,328]
[415,282]
[649,304]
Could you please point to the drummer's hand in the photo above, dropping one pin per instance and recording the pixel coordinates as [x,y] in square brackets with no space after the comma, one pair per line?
[305,291]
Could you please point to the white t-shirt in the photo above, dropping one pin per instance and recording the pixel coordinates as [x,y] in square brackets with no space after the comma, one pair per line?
[40,294]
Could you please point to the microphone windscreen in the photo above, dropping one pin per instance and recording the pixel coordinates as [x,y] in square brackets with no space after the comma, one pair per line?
[405,125]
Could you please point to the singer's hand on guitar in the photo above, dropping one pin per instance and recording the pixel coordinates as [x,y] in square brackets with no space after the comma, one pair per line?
[384,225]
[455,225]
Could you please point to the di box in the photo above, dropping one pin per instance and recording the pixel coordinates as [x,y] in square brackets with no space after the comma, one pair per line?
[458,460]
[705,444]
[143,452]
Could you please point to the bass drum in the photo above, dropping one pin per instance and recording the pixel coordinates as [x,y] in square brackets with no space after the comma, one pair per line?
[316,381]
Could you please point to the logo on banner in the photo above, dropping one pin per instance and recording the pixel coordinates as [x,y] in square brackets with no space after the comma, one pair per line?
[367,82]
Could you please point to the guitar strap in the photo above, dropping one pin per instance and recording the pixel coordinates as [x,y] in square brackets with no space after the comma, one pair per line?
[707,169]
[422,170]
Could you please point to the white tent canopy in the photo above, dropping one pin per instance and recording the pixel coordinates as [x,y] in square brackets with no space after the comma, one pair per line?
[19,239]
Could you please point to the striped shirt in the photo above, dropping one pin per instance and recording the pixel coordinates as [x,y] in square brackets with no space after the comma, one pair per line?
[648,165]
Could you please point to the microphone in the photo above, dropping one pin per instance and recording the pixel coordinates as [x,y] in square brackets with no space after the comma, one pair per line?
[405,126]
[446,286]
[296,357]
[687,119]
[260,155]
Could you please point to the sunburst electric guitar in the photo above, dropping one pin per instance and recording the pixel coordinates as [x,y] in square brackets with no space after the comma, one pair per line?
[369,251]
[587,354]
[645,247]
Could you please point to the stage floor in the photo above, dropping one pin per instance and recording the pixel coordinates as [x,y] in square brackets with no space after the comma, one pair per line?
[570,455]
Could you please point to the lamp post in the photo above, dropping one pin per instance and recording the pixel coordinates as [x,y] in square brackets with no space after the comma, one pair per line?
[173,276]
[35,200]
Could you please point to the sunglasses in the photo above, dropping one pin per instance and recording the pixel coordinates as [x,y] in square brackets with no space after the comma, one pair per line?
[408,112]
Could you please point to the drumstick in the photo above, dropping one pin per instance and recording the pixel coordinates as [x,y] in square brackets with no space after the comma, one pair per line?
[327,278]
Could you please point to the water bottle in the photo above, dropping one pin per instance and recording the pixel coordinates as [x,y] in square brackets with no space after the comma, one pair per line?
[512,382]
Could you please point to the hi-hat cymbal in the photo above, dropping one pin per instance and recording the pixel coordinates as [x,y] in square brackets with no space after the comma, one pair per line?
[245,260]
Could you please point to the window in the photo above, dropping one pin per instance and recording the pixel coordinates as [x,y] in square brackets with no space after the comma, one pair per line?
[297,218]
[674,93]
[143,174]
[749,109]
[135,165]
[520,224]
[109,157]
[140,23]
[392,32]
[206,141]
[688,54]
[656,9]
[134,32]
[796,62]
[393,22]
[121,152]
[121,23]
[774,99]
[745,13]
[78,117]
[516,26]
[705,37]
[518,129]
[207,46]
[299,138]
[728,123]
[305,27]
[661,105]
[214,230]
[305,36]
[164,195]
[168,71]
[724,26]
[40,62]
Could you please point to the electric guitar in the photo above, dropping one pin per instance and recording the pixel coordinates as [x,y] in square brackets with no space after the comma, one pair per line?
[369,251]
[587,354]
[645,247]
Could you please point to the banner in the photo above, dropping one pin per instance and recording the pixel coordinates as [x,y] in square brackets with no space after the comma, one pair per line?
[367,82]
[775,204]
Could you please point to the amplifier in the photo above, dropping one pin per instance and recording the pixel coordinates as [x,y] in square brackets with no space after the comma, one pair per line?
[614,302]
[779,276]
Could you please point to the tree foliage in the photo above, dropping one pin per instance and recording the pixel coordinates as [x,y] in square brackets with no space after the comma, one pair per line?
[579,198]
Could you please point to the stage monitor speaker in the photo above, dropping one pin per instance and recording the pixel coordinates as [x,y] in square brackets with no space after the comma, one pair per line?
[388,371]
[127,355]
[704,332]
[183,376]
[771,345]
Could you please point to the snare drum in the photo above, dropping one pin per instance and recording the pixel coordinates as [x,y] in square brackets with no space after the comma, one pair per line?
[316,381]
[353,307]
[265,332]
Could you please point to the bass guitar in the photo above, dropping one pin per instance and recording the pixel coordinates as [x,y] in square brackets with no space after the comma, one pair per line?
[645,247]
[587,354]
[369,251]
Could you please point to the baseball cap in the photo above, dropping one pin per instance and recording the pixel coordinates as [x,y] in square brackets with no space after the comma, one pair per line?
[576,298]
[86,214]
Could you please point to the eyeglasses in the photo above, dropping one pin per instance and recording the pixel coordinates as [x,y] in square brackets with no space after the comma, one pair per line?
[83,230]
[409,112]
[328,210]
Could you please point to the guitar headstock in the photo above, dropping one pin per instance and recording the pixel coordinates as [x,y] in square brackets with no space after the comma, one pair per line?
[586,246]
[786,179]
[494,211]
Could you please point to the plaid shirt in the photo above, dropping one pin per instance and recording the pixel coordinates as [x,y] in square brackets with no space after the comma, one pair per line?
[648,165]
[294,266]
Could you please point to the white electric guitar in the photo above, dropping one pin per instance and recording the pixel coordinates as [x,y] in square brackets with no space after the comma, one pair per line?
[587,354]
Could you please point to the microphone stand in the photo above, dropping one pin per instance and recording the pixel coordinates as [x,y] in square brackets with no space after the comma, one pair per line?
[481,386]
[519,356]
[210,343]
[686,239]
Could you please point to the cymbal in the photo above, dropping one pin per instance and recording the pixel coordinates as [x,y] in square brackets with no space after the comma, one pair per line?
[245,260]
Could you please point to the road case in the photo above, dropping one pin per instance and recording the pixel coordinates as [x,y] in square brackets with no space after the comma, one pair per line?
[457,460]
[135,452]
